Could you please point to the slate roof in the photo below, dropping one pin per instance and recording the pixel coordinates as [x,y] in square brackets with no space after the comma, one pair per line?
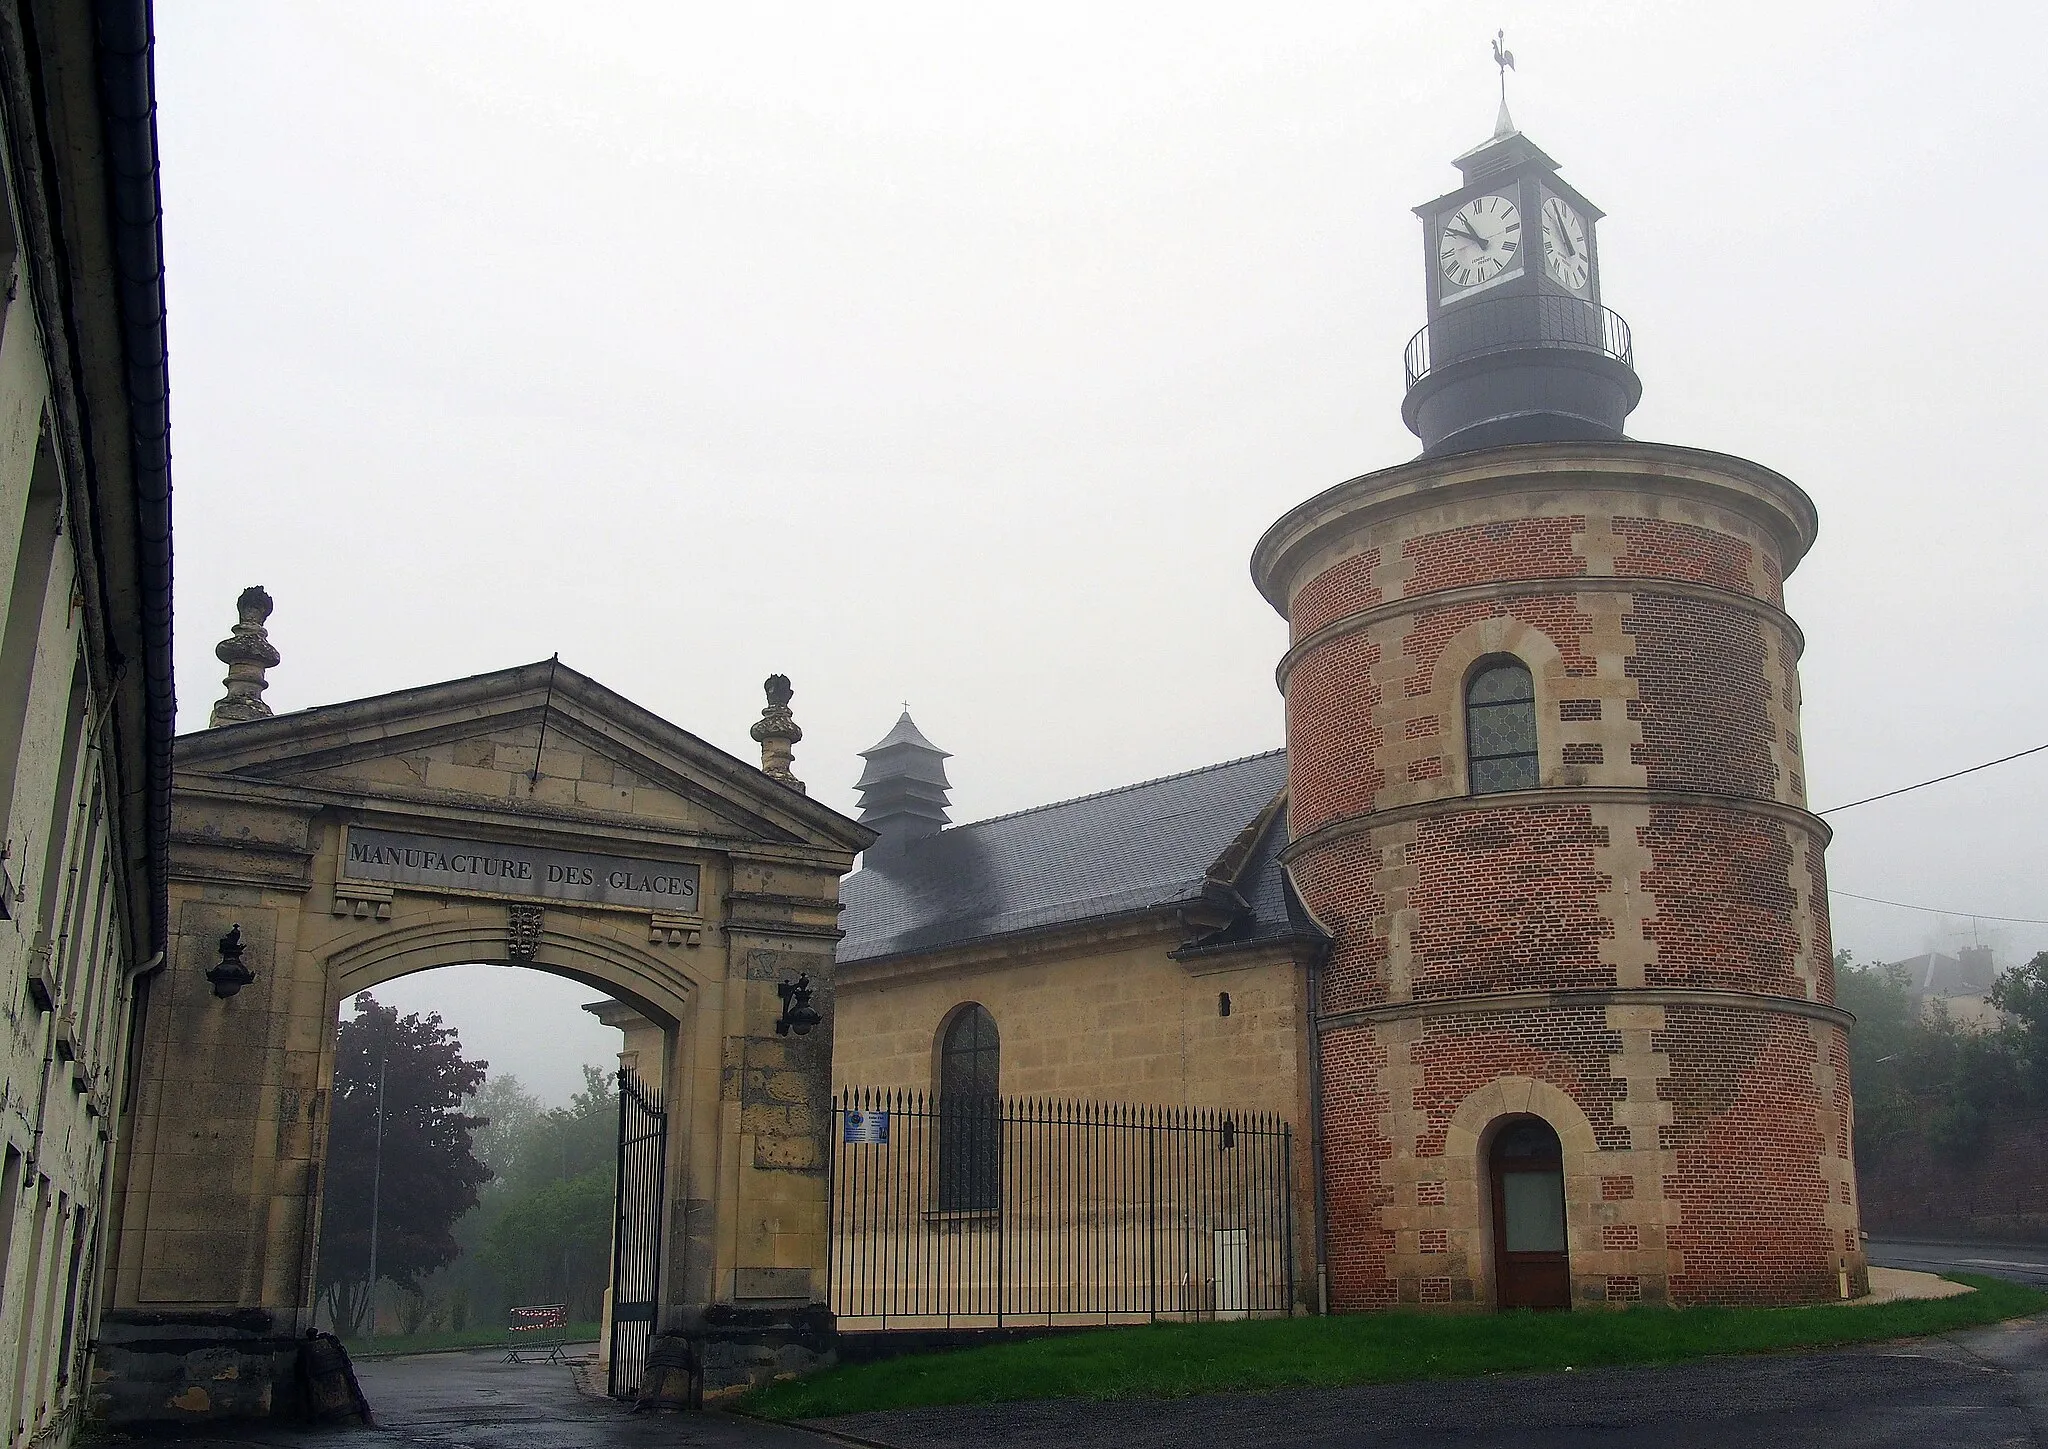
[904,732]
[1142,847]
[1937,974]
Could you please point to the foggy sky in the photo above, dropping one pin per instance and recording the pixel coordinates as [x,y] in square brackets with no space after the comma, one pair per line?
[960,354]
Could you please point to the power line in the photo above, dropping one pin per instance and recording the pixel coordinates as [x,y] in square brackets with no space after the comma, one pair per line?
[1937,910]
[1953,775]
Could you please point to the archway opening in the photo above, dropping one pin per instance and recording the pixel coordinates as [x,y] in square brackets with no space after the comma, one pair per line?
[472,1153]
[1531,1261]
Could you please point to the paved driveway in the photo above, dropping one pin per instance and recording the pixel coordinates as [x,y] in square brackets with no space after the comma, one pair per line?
[1988,1387]
[1982,1388]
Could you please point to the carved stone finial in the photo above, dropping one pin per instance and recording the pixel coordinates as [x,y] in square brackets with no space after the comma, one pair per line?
[777,732]
[247,652]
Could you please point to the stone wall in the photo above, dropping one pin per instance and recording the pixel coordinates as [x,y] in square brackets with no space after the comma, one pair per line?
[1102,1016]
[1637,949]
[1999,1192]
[220,1229]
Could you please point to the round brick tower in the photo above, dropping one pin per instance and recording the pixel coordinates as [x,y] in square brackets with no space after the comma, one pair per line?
[1577,1030]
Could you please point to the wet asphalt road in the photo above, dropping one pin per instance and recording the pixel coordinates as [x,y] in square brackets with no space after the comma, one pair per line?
[2021,1262]
[1986,1387]
[478,1401]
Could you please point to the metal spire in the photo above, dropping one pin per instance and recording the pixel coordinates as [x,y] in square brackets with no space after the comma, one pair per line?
[1503,124]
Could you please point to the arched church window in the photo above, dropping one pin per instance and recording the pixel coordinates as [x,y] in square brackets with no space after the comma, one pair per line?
[1500,728]
[970,1113]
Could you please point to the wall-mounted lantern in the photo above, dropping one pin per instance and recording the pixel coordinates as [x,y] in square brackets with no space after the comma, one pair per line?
[797,1013]
[230,975]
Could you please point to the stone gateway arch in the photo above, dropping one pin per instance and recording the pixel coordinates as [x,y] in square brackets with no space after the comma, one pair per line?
[530,818]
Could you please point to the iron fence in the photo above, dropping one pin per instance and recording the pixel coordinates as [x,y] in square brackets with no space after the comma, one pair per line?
[994,1212]
[1499,324]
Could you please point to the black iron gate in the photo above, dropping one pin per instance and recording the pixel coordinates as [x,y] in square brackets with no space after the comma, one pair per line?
[636,1241]
[985,1211]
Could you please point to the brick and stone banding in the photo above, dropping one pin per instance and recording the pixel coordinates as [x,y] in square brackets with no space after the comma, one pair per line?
[1636,950]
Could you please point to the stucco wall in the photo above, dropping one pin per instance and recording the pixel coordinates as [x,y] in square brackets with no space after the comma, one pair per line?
[66,958]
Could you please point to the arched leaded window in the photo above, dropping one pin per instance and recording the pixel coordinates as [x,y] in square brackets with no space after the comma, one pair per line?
[1500,728]
[970,1113]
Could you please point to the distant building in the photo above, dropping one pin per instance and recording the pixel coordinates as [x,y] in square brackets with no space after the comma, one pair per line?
[1960,983]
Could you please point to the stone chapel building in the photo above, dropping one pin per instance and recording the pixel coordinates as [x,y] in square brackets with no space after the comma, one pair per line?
[1526,930]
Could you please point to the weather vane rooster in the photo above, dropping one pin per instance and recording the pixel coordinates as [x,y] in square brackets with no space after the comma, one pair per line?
[1505,59]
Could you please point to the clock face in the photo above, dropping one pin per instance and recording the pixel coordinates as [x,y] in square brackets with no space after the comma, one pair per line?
[1482,239]
[1567,255]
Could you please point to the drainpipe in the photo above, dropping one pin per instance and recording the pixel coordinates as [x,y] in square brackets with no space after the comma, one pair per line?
[1315,1123]
[125,51]
[35,1141]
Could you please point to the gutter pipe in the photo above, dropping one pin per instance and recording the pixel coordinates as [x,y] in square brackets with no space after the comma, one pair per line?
[125,55]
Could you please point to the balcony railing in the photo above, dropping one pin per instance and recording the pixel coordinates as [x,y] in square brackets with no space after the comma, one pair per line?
[1503,324]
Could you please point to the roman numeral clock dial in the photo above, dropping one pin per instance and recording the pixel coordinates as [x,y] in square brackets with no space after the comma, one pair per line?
[1565,252]
[1482,239]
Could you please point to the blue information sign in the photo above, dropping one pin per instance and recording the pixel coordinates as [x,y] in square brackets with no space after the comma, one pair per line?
[867,1127]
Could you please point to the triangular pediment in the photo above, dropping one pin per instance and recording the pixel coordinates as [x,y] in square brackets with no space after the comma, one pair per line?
[539,741]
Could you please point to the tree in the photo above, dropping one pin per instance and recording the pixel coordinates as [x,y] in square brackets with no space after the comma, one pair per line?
[430,1175]
[544,1233]
[509,1112]
[1881,1053]
[1924,1075]
[553,1243]
[2022,994]
[549,1166]
[570,1141]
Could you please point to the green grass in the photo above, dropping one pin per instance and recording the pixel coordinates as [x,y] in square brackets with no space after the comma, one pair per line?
[1172,1360]
[391,1345]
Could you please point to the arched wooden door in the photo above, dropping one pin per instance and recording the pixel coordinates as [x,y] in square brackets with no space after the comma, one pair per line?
[1531,1267]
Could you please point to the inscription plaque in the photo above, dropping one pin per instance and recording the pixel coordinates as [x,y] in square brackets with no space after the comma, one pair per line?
[485,867]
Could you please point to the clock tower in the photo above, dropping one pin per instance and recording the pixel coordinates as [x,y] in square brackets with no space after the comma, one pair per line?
[1518,348]
[1576,1031]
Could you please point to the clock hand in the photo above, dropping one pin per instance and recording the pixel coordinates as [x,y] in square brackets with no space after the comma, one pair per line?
[1470,235]
[1562,231]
